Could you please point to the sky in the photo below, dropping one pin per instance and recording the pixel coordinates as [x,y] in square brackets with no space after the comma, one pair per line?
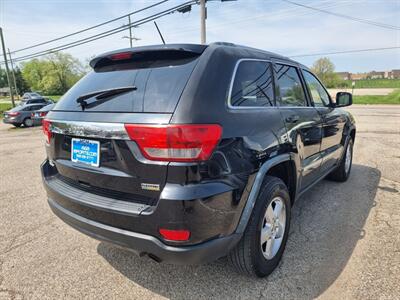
[272,25]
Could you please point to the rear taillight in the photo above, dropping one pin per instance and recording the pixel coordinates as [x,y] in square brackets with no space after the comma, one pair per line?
[185,143]
[43,113]
[13,114]
[46,130]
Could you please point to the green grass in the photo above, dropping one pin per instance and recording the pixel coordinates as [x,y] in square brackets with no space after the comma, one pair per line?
[4,107]
[373,83]
[54,97]
[392,98]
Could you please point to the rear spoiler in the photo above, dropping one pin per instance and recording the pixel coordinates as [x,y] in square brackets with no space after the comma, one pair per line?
[164,51]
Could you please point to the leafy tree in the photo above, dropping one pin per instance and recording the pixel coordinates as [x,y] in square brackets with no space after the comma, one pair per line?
[3,78]
[325,70]
[22,85]
[54,74]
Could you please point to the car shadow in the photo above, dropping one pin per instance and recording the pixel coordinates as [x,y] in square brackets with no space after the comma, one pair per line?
[327,223]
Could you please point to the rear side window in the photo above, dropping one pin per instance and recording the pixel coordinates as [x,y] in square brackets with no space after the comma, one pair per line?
[289,86]
[252,85]
[158,88]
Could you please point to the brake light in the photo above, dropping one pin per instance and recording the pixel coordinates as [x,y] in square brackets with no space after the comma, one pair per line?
[175,235]
[121,56]
[183,143]
[47,130]
[43,113]
[13,114]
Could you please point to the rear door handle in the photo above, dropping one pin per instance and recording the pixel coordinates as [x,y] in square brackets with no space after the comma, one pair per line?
[292,119]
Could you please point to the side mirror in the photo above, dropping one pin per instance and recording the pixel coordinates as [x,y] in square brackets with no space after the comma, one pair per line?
[344,99]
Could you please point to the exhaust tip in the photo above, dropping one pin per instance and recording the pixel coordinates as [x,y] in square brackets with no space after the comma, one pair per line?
[153,257]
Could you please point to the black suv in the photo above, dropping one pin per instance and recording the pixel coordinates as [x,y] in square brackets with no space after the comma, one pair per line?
[187,153]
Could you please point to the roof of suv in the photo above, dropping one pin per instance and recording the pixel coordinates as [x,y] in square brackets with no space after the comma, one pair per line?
[194,48]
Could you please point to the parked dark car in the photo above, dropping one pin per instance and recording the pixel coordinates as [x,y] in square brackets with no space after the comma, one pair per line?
[39,115]
[21,115]
[187,153]
[41,100]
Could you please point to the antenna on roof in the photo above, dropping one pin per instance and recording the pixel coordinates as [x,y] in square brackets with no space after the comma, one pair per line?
[159,32]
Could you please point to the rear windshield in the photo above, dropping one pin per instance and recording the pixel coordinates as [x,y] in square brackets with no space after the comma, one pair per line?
[158,88]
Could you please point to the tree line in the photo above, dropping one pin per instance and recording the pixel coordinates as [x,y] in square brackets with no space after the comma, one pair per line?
[51,75]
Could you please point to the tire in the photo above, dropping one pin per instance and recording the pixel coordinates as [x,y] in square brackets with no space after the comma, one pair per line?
[342,172]
[28,122]
[250,256]
[17,125]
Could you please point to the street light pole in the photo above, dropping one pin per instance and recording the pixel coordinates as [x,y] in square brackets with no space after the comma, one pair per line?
[203,17]
[7,70]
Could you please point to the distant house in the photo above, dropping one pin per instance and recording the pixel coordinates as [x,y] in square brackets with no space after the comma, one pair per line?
[344,75]
[376,75]
[394,74]
[4,92]
[358,76]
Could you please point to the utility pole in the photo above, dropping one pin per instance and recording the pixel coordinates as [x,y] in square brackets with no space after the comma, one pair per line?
[7,70]
[13,73]
[130,31]
[203,17]
[131,37]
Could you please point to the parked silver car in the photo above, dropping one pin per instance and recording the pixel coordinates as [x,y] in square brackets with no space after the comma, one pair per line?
[22,114]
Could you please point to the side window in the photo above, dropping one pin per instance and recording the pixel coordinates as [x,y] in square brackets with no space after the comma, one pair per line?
[318,94]
[253,85]
[28,108]
[289,86]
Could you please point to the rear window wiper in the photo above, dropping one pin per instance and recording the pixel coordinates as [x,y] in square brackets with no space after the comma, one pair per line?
[102,96]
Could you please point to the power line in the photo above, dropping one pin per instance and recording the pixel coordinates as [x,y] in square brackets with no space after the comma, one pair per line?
[345,51]
[104,34]
[90,28]
[369,22]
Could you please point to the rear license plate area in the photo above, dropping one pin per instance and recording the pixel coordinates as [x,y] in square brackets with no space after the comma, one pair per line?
[85,151]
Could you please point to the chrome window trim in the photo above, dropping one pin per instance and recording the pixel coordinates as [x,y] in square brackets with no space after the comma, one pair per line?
[90,129]
[230,106]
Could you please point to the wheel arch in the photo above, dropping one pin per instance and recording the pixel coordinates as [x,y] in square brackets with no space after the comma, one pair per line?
[275,166]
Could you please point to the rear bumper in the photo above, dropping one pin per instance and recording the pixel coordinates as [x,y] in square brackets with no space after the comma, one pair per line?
[37,121]
[11,121]
[211,220]
[144,244]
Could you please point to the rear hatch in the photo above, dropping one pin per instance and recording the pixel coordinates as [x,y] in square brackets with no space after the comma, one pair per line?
[89,144]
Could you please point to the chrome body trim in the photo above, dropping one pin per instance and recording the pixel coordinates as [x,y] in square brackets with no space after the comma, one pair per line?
[90,129]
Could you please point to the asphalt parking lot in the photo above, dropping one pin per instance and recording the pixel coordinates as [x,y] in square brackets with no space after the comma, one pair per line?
[344,241]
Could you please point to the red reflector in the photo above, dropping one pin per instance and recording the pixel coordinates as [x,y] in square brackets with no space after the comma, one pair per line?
[46,130]
[175,235]
[175,142]
[121,56]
